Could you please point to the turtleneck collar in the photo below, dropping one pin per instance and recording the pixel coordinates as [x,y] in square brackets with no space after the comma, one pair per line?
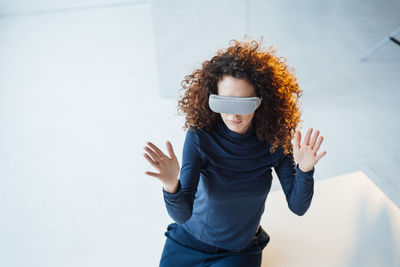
[228,133]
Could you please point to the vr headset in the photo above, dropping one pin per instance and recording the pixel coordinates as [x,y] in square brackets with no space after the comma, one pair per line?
[233,105]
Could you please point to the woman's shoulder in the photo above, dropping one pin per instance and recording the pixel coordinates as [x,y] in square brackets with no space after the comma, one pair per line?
[195,135]
[196,132]
[201,137]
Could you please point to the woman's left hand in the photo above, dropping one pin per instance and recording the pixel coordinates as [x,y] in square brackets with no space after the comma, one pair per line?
[306,154]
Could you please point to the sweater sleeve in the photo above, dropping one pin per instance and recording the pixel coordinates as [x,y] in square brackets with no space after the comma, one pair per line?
[180,204]
[297,185]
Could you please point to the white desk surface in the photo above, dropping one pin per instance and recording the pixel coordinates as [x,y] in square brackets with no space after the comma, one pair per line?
[350,222]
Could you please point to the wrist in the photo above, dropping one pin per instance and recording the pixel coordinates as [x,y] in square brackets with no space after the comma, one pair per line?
[304,169]
[172,189]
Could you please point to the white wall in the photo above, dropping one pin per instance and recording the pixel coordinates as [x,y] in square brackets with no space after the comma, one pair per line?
[22,7]
[77,103]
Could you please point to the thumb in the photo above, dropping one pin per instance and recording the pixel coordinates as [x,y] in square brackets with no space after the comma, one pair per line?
[297,140]
[170,150]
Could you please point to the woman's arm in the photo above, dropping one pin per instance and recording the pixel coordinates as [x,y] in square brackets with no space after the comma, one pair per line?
[180,204]
[297,185]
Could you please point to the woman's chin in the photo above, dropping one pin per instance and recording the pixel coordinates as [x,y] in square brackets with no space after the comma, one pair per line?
[235,128]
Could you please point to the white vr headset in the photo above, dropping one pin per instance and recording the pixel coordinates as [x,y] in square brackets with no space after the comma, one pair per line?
[233,105]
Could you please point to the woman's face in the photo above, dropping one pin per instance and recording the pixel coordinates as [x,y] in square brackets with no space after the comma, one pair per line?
[230,86]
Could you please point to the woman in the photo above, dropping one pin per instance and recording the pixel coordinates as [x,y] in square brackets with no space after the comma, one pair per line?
[241,114]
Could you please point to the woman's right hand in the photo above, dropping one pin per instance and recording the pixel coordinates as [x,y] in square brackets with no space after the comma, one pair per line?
[168,166]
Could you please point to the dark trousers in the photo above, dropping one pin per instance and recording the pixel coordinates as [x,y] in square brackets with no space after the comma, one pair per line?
[181,249]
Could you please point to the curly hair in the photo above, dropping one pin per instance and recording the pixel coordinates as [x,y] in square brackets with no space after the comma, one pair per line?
[276,118]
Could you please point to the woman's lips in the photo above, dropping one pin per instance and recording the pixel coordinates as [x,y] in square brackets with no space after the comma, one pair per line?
[235,122]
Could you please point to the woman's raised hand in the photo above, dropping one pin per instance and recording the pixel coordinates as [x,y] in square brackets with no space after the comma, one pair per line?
[306,154]
[168,166]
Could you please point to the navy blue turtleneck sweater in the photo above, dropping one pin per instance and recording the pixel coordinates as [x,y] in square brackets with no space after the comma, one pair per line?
[223,184]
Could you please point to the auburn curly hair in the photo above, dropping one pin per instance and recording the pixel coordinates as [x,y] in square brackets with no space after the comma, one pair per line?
[276,118]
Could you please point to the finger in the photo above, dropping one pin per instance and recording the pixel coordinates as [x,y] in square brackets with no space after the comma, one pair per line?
[321,155]
[297,139]
[315,136]
[153,154]
[156,149]
[316,147]
[170,150]
[152,174]
[306,140]
[152,162]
